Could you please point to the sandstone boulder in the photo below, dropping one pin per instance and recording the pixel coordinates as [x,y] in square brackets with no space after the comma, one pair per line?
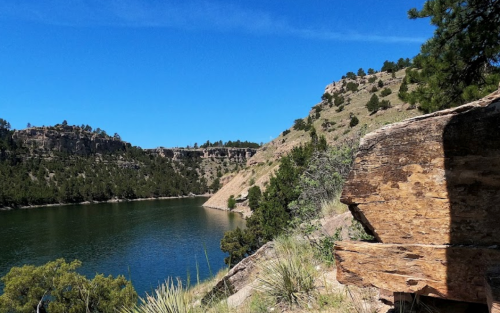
[428,189]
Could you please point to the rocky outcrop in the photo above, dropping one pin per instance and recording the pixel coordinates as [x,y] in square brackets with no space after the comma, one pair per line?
[239,155]
[428,189]
[67,139]
[242,275]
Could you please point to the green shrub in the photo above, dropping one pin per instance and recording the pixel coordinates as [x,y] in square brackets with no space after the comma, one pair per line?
[350,75]
[290,277]
[299,124]
[385,92]
[373,104]
[374,89]
[254,197]
[340,108]
[380,83]
[286,132]
[357,232]
[354,121]
[231,202]
[361,72]
[372,79]
[385,104]
[352,86]
[57,287]
[168,298]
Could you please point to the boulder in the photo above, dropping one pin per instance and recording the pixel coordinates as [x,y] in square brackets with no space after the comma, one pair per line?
[428,189]
[433,179]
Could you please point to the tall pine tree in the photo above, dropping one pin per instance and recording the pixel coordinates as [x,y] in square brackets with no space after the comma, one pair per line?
[460,63]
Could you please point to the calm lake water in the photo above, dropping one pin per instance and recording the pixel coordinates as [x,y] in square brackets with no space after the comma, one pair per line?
[146,241]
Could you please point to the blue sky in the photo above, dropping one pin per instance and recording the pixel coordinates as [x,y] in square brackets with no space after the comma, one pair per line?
[172,73]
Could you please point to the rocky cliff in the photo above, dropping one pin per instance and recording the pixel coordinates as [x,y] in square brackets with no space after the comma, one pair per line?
[67,139]
[239,155]
[428,189]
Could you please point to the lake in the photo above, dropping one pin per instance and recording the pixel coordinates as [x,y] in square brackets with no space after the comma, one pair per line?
[147,241]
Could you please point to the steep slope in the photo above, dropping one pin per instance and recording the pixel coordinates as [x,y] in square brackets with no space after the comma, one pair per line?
[327,118]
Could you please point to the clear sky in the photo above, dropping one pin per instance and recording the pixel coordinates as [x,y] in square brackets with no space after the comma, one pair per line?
[175,72]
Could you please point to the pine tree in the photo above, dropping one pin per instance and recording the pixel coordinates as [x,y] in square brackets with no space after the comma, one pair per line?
[460,62]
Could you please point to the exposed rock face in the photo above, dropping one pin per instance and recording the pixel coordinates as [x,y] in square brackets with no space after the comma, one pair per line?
[430,180]
[67,139]
[242,275]
[433,270]
[239,155]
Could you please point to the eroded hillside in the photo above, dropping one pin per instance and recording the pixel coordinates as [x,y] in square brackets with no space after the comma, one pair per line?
[329,118]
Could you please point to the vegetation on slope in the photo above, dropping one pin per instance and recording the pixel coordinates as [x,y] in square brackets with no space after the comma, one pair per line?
[33,177]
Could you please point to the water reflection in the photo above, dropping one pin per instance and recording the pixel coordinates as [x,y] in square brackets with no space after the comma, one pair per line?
[146,241]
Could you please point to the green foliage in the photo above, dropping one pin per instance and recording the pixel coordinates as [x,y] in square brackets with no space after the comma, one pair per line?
[327,97]
[338,99]
[385,104]
[168,298]
[254,197]
[358,232]
[4,124]
[350,75]
[290,277]
[323,247]
[340,108]
[385,92]
[403,91]
[354,121]
[373,104]
[361,72]
[460,63]
[56,287]
[238,243]
[371,71]
[372,79]
[352,86]
[231,202]
[71,178]
[230,144]
[374,89]
[272,216]
[389,67]
[380,83]
[215,185]
[30,177]
[321,181]
[299,124]
[285,132]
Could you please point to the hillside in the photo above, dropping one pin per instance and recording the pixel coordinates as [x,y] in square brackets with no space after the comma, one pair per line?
[329,119]
[72,164]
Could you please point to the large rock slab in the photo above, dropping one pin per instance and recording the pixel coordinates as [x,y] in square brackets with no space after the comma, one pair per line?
[433,179]
[455,273]
[240,277]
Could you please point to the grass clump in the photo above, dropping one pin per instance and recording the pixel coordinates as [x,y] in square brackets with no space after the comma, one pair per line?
[289,278]
[168,298]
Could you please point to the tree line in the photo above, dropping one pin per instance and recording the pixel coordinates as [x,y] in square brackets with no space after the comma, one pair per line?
[27,178]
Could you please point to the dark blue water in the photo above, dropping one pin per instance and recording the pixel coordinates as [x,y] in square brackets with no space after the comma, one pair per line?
[147,241]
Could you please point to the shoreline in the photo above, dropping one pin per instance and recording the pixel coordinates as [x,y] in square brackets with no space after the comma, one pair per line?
[26,207]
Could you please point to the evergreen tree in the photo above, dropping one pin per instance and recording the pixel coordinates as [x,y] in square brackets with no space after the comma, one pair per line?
[460,62]
[373,104]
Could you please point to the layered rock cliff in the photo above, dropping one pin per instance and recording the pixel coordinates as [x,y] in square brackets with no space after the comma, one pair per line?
[239,155]
[428,189]
[67,139]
